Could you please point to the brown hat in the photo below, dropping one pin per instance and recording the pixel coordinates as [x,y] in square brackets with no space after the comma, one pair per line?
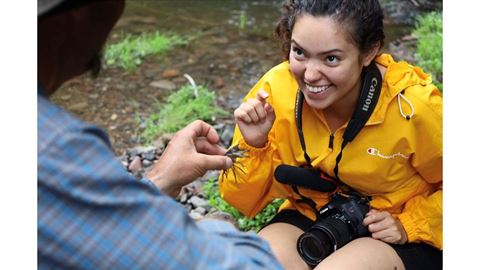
[47,5]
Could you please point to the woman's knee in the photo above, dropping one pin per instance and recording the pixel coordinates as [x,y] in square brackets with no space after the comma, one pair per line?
[363,253]
[283,241]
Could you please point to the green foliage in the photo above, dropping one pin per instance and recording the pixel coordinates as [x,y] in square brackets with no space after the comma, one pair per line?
[212,193]
[429,31]
[130,52]
[242,21]
[181,107]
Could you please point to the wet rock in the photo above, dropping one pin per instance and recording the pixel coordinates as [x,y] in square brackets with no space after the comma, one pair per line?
[170,73]
[78,106]
[210,175]
[202,211]
[198,202]
[179,80]
[148,153]
[222,40]
[183,198]
[227,135]
[163,84]
[136,164]
[132,153]
[65,97]
[146,163]
[221,216]
[218,82]
[196,216]
[162,142]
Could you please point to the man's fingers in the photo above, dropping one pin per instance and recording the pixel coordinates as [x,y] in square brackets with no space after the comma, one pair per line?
[204,146]
[216,162]
[199,128]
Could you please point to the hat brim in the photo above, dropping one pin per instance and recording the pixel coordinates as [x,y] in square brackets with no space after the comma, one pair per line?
[46,5]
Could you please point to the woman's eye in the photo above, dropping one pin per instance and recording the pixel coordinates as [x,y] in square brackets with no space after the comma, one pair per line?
[297,52]
[331,59]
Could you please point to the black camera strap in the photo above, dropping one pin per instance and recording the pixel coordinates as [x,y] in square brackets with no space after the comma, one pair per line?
[369,95]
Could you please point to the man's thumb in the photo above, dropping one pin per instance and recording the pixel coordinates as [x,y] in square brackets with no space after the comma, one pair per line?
[218,162]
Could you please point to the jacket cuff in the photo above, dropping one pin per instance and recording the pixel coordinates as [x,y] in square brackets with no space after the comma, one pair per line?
[409,226]
[251,149]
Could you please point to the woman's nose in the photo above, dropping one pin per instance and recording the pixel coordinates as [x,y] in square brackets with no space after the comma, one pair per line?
[312,74]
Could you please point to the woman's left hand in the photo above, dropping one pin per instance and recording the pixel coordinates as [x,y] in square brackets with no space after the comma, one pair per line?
[385,227]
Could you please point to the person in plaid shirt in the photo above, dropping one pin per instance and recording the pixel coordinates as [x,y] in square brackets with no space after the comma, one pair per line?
[92,214]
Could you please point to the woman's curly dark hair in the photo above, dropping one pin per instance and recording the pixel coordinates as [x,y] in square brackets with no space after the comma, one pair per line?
[363,20]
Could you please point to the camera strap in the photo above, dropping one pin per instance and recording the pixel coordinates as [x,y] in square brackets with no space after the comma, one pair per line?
[369,95]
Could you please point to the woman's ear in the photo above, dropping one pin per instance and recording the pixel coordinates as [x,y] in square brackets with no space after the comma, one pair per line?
[370,55]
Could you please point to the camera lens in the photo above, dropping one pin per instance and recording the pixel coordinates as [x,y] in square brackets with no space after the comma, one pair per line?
[322,239]
[314,246]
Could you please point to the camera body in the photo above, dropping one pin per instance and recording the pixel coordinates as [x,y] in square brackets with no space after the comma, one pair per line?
[339,222]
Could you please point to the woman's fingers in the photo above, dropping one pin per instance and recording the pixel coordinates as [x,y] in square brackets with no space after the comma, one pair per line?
[251,111]
[383,226]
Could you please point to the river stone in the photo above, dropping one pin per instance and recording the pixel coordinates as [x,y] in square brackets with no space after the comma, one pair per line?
[198,202]
[195,215]
[163,84]
[210,174]
[183,198]
[149,153]
[227,134]
[170,73]
[202,211]
[136,164]
[78,106]
[146,163]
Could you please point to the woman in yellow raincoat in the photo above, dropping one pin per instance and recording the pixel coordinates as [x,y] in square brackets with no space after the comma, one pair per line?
[297,115]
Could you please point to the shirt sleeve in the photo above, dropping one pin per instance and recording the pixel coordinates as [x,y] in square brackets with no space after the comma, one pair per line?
[93,215]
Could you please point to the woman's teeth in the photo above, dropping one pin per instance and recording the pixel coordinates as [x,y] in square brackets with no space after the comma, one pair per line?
[317,89]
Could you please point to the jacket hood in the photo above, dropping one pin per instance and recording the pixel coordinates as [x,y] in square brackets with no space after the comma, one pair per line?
[398,77]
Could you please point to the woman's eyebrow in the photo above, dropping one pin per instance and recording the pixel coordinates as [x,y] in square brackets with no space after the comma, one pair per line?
[320,53]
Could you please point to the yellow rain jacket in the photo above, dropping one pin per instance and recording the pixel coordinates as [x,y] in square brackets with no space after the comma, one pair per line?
[395,160]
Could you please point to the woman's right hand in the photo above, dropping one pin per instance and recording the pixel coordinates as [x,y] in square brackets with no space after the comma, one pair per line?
[255,118]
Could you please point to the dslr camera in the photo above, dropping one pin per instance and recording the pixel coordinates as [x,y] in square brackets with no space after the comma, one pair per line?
[338,222]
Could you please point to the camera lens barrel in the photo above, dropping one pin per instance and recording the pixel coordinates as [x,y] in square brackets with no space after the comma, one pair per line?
[340,221]
[323,238]
[313,247]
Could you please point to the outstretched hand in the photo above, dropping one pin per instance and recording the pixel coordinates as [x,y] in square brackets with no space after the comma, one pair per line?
[190,154]
[383,226]
[255,118]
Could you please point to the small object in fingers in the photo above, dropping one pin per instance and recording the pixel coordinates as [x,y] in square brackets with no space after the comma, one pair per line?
[234,153]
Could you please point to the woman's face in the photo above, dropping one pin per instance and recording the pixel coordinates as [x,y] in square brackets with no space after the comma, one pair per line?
[325,63]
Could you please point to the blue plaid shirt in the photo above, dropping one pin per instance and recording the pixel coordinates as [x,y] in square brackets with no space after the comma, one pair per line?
[93,215]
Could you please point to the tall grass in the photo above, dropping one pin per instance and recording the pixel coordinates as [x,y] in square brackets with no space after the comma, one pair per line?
[180,108]
[130,51]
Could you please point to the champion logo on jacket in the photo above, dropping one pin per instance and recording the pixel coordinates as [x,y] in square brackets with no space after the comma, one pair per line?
[375,152]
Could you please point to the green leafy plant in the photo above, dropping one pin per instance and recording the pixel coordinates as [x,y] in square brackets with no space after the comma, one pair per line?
[429,31]
[180,108]
[130,51]
[212,193]
[242,20]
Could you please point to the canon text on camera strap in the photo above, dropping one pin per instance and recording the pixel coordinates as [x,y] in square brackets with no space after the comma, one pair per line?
[369,95]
